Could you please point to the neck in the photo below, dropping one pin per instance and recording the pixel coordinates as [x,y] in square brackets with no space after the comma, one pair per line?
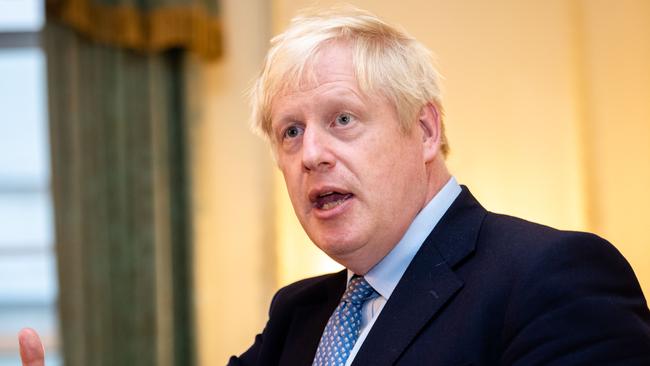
[438,176]
[361,262]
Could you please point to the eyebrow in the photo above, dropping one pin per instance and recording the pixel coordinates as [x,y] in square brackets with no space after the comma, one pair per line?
[345,99]
[351,99]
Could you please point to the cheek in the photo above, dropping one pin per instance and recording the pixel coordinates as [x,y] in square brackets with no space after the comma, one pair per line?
[292,182]
[398,172]
[293,188]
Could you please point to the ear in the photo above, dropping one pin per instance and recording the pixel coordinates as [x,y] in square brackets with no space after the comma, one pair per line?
[431,125]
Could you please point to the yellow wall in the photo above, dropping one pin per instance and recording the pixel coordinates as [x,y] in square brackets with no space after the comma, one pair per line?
[231,176]
[616,74]
[548,116]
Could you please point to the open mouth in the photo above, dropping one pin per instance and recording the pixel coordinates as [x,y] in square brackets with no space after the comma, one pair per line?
[329,200]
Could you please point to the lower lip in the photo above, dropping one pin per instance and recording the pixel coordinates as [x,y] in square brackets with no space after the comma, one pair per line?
[333,212]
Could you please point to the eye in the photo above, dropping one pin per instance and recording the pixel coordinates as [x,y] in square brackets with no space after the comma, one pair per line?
[292,132]
[343,119]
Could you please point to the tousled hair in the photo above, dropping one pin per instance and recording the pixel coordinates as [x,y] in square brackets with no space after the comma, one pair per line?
[387,61]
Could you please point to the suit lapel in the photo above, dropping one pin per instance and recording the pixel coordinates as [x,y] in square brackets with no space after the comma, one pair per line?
[309,320]
[427,285]
[416,299]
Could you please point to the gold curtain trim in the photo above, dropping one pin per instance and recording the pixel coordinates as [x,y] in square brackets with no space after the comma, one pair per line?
[156,30]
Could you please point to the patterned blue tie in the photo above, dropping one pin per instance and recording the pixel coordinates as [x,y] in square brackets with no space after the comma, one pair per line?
[342,330]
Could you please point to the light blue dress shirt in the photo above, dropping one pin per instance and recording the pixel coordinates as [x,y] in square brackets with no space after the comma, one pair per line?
[385,275]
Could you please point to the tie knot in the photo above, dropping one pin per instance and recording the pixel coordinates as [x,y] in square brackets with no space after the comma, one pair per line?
[358,291]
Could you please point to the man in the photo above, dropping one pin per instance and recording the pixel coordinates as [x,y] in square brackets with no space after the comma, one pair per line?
[351,107]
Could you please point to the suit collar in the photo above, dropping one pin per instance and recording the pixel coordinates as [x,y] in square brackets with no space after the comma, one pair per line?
[456,235]
[428,283]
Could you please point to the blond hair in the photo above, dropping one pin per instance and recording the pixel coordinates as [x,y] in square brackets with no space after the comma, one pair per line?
[386,60]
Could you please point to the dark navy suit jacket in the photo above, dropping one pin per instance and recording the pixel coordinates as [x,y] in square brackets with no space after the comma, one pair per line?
[484,289]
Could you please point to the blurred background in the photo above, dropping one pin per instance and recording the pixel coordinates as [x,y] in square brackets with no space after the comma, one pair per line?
[142,223]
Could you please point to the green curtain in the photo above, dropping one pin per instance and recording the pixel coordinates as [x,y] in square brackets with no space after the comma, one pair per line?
[119,184]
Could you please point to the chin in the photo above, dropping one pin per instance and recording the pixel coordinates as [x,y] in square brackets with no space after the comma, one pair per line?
[338,247]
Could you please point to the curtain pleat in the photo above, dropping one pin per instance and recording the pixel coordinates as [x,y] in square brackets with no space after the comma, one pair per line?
[118,182]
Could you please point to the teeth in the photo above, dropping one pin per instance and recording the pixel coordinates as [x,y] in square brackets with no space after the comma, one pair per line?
[325,194]
[330,205]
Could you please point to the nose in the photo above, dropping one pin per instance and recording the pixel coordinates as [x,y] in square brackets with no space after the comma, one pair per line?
[316,150]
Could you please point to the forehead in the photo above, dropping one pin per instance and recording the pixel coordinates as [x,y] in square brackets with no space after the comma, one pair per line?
[330,71]
[332,62]
[328,80]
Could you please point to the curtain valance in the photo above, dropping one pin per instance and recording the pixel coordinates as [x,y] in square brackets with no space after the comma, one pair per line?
[145,25]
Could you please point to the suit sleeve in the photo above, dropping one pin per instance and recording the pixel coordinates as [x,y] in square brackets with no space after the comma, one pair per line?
[252,356]
[578,304]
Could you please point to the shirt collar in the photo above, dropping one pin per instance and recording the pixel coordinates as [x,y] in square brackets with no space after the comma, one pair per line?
[385,275]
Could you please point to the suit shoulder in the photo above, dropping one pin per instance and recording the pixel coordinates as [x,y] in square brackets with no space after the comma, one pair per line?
[307,283]
[571,287]
[522,249]
[307,289]
[526,238]
[555,262]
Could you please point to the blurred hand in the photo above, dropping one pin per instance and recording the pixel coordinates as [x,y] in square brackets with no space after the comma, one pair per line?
[31,348]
